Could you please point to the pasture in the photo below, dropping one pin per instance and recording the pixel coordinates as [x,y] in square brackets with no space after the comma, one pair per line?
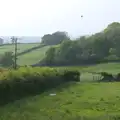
[32,57]
[21,47]
[74,101]
[28,58]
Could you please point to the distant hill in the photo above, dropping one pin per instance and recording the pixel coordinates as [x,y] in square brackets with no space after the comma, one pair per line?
[23,39]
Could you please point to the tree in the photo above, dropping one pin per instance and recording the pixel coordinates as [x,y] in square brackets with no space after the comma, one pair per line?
[47,39]
[66,52]
[7,59]
[112,51]
[54,38]
[112,33]
[50,55]
[98,47]
[12,41]
[1,41]
[101,47]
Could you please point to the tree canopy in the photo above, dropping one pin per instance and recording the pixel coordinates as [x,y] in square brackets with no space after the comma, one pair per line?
[98,47]
[54,38]
[7,59]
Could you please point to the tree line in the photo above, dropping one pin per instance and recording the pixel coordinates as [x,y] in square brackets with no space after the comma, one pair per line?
[7,59]
[96,48]
[99,47]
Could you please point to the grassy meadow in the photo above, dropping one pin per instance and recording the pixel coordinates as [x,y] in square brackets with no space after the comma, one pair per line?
[27,58]
[21,47]
[32,57]
[74,101]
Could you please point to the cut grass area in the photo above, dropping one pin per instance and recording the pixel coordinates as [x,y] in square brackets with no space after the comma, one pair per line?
[79,101]
[95,100]
[33,57]
[104,67]
[107,67]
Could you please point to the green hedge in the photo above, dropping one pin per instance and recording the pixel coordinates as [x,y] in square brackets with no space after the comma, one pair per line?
[28,81]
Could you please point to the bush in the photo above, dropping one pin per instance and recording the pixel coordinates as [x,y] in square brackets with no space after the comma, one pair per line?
[28,81]
[107,77]
[118,77]
[72,75]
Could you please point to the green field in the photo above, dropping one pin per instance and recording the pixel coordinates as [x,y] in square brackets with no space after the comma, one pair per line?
[21,47]
[32,57]
[76,101]
[28,58]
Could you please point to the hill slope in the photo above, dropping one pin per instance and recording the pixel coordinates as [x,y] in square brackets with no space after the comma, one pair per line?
[28,53]
[32,57]
[89,100]
[21,47]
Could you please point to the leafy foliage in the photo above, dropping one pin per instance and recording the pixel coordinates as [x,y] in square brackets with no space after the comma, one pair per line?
[54,38]
[85,101]
[1,41]
[99,47]
[7,59]
[29,81]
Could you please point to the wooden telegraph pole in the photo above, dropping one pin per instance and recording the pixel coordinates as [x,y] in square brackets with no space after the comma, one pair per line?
[14,39]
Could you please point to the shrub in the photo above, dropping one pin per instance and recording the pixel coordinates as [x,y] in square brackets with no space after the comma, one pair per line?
[71,75]
[28,81]
[118,77]
[107,77]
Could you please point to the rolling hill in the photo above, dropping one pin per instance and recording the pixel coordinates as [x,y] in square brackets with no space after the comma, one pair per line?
[21,47]
[32,57]
[28,53]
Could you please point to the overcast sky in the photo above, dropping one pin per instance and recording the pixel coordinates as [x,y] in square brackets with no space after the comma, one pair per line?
[38,17]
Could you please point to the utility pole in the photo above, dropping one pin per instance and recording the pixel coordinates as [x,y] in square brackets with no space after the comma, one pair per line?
[14,39]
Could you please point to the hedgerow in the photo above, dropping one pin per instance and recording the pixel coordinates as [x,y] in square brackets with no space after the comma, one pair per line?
[29,81]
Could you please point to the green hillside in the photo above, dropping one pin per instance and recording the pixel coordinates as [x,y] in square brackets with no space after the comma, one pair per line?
[28,58]
[21,47]
[80,101]
[32,57]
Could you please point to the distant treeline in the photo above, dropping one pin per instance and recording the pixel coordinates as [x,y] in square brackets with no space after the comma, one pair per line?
[100,47]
